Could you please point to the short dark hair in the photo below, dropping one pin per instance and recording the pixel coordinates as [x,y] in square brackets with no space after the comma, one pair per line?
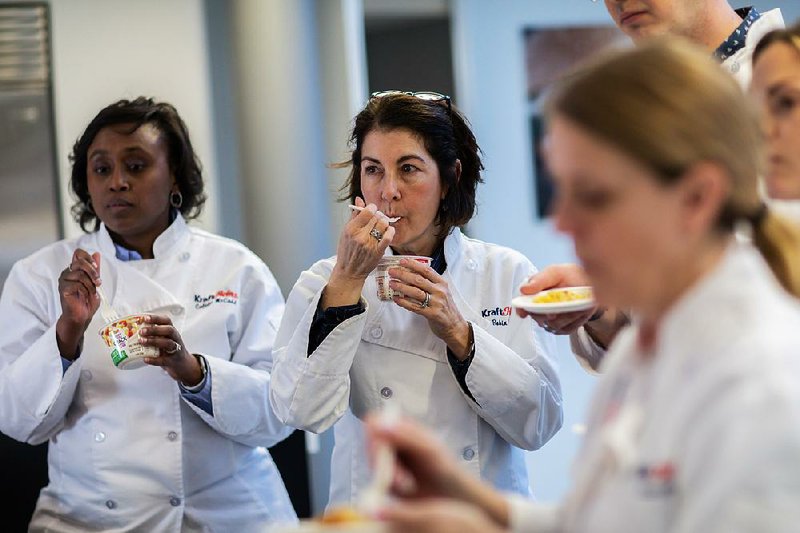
[183,161]
[447,137]
[790,36]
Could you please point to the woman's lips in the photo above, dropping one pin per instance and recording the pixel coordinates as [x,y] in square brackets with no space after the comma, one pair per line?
[632,17]
[118,204]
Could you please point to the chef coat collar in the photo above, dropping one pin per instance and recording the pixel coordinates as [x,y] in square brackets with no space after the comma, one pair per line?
[164,244]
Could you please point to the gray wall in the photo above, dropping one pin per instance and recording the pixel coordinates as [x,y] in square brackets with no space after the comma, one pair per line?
[410,55]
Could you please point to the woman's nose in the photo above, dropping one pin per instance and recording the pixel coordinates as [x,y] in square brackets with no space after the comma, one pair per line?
[768,124]
[119,181]
[390,190]
[562,217]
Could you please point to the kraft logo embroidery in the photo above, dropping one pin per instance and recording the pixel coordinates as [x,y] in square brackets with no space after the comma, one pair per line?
[219,297]
[500,315]
[657,479]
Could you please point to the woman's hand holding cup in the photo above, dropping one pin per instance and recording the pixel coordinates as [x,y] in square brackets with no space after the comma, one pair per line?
[174,358]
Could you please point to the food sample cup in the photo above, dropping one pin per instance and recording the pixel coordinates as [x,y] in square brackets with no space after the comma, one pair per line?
[382,275]
[122,338]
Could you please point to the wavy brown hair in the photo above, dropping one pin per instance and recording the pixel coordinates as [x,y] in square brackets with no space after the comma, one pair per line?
[447,137]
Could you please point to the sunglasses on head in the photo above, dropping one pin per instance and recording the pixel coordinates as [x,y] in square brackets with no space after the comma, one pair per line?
[428,96]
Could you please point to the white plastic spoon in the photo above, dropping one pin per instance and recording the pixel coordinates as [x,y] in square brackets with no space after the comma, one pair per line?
[392,220]
[375,494]
[106,311]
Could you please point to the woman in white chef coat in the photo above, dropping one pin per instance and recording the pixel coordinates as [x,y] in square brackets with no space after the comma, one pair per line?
[178,445]
[447,350]
[695,425]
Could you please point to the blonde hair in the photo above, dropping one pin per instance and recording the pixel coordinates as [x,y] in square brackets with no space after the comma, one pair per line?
[668,105]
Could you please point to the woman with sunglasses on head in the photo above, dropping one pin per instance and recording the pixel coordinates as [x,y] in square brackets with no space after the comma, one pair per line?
[447,350]
[178,444]
[695,423]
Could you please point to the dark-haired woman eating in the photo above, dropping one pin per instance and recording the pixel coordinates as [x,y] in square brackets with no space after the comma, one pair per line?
[446,349]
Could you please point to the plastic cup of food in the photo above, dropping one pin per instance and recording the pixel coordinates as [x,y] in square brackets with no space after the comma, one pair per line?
[382,277]
[122,338]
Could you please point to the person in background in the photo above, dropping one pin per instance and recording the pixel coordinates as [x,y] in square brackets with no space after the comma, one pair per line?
[179,444]
[727,33]
[730,35]
[776,88]
[695,423]
[446,350]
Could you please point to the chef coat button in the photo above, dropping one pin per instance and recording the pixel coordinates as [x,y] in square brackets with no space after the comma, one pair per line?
[99,436]
[111,504]
[172,435]
[735,67]
[471,264]
[386,392]
[184,257]
[468,454]
[86,375]
[174,501]
[376,332]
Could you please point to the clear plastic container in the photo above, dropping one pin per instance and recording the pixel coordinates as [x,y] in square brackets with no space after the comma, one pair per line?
[382,278]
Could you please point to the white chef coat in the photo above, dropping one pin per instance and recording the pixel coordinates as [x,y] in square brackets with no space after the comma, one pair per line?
[704,436]
[127,452]
[388,354]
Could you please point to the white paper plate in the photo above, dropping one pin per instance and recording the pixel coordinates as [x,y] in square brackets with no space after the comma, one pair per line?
[580,299]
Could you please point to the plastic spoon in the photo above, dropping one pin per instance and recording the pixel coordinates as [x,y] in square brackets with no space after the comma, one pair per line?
[374,494]
[392,220]
[106,311]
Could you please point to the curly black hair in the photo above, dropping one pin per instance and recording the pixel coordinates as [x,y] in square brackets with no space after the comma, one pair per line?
[183,161]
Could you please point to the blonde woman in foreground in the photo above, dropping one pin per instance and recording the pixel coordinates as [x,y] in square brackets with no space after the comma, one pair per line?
[695,424]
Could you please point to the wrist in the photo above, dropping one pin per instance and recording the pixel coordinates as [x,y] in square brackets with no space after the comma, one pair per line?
[604,329]
[69,339]
[597,315]
[196,375]
[341,291]
[463,342]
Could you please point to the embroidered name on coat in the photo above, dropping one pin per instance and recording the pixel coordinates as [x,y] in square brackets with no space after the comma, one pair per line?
[499,315]
[219,297]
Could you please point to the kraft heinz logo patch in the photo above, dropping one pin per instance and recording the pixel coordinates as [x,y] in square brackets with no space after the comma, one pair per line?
[499,315]
[219,297]
[657,479]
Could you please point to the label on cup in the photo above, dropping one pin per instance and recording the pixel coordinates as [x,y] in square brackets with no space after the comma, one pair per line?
[122,337]
[382,277]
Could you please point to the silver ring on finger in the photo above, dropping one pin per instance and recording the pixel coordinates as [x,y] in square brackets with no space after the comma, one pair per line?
[549,329]
[175,348]
[427,301]
[376,233]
